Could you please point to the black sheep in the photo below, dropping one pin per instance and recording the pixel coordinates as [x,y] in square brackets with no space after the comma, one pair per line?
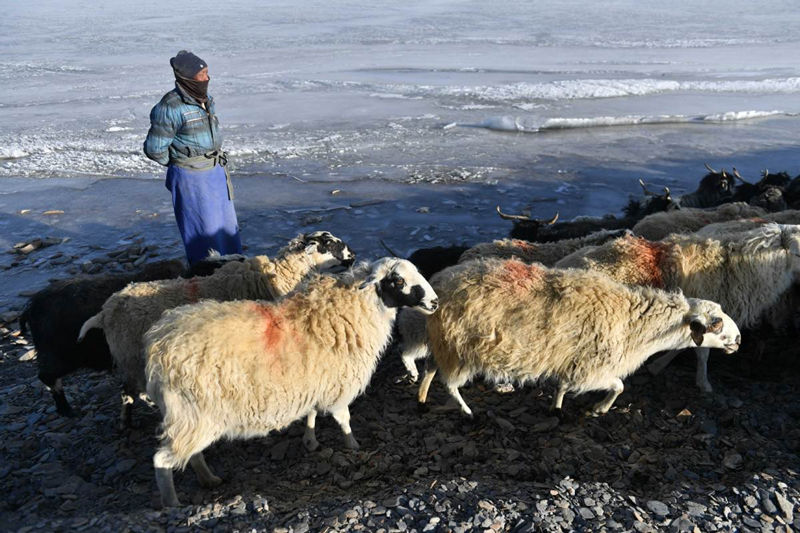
[716,188]
[56,313]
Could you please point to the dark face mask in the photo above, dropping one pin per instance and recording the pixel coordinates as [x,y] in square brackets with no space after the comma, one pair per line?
[196,89]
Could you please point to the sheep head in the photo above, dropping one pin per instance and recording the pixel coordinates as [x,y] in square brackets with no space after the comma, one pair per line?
[325,249]
[710,327]
[399,284]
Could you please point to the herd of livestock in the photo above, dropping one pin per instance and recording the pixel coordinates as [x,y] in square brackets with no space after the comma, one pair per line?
[241,346]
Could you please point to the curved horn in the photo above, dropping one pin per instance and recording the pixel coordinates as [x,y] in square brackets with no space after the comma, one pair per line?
[395,254]
[710,169]
[511,217]
[644,188]
[552,220]
[666,193]
[737,175]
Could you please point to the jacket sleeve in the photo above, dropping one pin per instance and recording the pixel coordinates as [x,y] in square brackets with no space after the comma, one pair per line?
[163,128]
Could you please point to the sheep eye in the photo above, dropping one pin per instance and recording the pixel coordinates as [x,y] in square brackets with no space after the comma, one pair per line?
[399,283]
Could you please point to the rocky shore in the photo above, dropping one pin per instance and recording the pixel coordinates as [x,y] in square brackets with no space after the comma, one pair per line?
[667,457]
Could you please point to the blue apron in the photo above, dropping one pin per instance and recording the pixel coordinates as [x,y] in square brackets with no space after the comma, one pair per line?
[204,212]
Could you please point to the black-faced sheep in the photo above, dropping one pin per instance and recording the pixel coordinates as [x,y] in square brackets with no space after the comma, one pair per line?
[56,313]
[508,320]
[129,313]
[243,369]
[747,272]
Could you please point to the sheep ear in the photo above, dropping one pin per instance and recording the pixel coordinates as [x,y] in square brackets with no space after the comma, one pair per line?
[372,280]
[698,330]
[715,326]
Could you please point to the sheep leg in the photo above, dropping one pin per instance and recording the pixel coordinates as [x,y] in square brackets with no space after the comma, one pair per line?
[56,389]
[125,418]
[409,361]
[452,388]
[430,373]
[604,405]
[657,366]
[164,462]
[342,416]
[558,399]
[701,378]
[310,437]
[204,474]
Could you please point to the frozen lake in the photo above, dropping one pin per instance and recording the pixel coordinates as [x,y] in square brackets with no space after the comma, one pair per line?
[436,91]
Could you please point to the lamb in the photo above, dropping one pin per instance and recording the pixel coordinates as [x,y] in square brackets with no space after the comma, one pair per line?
[509,320]
[746,272]
[242,369]
[658,225]
[55,314]
[129,313]
[411,325]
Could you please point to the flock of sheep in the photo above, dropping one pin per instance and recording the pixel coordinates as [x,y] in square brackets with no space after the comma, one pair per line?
[243,346]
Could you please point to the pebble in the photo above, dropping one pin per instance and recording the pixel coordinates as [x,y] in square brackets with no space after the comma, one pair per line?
[658,508]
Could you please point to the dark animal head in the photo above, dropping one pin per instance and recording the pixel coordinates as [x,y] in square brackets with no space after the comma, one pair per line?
[429,261]
[716,188]
[399,284]
[651,203]
[771,199]
[525,227]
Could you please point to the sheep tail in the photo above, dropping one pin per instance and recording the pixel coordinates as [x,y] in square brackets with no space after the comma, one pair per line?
[95,322]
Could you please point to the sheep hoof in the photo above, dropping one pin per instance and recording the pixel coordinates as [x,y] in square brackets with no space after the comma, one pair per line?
[210,483]
[310,444]
[594,413]
[350,442]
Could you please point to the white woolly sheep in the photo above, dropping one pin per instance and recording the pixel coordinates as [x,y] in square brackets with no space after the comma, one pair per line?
[746,272]
[509,320]
[411,324]
[243,369]
[129,313]
[658,225]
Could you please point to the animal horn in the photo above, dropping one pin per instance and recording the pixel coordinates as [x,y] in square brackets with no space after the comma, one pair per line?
[552,220]
[710,169]
[644,188]
[511,217]
[737,175]
[395,254]
[666,193]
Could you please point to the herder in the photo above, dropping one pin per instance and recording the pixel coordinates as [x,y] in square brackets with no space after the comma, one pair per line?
[184,136]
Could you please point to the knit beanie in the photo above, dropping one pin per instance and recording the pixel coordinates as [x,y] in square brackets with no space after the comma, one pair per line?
[186,64]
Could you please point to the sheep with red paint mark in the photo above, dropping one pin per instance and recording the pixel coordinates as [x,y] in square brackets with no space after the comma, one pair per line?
[129,313]
[243,369]
[511,321]
[411,325]
[658,225]
[747,272]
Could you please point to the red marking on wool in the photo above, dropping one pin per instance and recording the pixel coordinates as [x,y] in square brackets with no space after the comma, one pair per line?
[759,220]
[273,326]
[192,290]
[647,259]
[523,245]
[521,275]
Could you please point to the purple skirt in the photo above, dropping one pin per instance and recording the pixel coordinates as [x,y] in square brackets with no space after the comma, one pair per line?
[206,217]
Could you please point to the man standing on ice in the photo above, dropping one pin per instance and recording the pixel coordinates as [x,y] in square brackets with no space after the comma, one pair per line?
[184,136]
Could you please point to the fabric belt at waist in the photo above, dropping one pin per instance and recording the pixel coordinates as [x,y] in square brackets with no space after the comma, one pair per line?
[207,161]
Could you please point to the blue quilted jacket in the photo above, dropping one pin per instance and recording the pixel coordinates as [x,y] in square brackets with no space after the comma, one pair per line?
[180,129]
